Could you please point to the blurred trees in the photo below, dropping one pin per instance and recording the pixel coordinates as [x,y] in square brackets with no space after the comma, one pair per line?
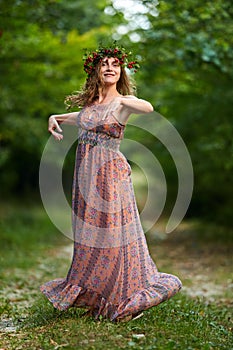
[186,72]
[192,48]
[40,63]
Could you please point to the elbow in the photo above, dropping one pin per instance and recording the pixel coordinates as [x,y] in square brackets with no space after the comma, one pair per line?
[149,108]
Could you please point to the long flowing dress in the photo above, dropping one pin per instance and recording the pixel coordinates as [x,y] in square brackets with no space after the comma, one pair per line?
[112,273]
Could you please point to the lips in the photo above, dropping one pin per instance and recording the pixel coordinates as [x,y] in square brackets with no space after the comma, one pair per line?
[109,74]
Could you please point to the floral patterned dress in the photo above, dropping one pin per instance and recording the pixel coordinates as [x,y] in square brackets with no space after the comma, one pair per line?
[112,273]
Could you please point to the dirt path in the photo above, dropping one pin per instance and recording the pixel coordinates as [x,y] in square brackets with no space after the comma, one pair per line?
[204,267]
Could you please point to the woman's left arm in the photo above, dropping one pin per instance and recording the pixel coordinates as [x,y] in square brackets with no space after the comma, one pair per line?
[136,105]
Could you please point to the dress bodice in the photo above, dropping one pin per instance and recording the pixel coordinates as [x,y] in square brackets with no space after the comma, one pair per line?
[98,126]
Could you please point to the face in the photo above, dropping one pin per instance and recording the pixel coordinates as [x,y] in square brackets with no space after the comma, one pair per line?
[110,70]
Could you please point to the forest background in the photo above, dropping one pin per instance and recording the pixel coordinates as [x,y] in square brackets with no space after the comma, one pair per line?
[186,73]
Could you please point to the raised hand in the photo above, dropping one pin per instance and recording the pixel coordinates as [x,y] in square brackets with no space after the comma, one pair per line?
[54,128]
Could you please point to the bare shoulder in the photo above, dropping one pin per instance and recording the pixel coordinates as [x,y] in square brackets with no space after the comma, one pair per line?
[130,97]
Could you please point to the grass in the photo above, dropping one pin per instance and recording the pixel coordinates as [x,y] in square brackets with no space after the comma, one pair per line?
[25,230]
[32,252]
[180,323]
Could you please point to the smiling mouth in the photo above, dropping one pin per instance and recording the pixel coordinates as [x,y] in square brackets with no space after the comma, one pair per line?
[109,75]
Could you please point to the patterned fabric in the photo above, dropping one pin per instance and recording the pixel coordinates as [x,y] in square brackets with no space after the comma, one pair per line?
[112,273]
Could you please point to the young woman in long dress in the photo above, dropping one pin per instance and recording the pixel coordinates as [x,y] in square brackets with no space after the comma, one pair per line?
[112,273]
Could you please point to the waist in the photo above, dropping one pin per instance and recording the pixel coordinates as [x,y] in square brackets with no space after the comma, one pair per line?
[99,139]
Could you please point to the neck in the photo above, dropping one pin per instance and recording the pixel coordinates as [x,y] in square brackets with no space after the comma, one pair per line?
[108,93]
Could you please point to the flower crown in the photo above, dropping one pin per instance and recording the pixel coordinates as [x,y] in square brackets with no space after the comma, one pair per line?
[91,59]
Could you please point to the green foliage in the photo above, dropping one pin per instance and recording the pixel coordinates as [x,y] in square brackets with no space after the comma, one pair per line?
[56,15]
[38,69]
[187,73]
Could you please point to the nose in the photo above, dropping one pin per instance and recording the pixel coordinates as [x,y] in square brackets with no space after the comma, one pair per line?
[109,67]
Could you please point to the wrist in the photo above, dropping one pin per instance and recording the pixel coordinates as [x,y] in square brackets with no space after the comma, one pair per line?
[55,118]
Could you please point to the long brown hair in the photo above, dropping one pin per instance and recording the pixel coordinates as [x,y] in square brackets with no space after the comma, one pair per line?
[93,84]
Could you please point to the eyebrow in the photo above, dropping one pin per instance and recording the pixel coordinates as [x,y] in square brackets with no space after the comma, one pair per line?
[116,60]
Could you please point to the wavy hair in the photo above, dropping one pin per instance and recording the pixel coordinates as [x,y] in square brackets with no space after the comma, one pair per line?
[94,84]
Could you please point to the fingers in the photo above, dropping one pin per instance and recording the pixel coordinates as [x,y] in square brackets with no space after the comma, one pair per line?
[56,135]
[53,125]
[58,127]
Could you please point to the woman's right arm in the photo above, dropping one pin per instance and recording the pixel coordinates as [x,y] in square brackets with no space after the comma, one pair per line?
[56,119]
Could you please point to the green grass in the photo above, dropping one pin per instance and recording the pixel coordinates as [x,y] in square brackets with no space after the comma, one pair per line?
[31,253]
[180,323]
[25,232]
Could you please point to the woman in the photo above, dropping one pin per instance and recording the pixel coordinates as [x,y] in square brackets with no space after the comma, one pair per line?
[112,273]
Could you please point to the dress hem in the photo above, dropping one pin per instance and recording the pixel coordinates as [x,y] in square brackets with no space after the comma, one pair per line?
[98,306]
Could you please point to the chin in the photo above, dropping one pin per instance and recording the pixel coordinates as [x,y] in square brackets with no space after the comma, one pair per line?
[109,81]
